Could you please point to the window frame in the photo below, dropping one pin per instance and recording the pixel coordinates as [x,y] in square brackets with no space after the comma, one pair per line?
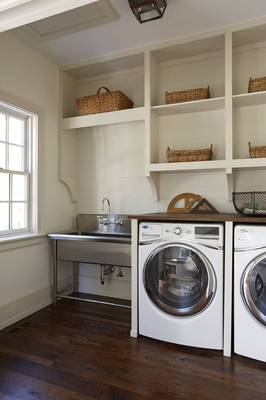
[30,171]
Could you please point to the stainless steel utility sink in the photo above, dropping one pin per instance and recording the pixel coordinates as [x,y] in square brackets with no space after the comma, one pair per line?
[98,239]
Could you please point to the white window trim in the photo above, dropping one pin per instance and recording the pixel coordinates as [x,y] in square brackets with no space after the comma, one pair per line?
[30,169]
[37,234]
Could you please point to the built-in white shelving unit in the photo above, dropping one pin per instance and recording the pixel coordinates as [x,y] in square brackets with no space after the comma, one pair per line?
[197,166]
[229,119]
[110,118]
[249,99]
[189,107]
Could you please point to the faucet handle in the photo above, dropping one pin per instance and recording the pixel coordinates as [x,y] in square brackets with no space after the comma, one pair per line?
[119,221]
[100,219]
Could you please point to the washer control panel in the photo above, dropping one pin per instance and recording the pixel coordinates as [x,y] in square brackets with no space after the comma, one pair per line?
[202,233]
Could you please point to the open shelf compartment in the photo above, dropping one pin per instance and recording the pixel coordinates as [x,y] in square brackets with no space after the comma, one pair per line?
[190,65]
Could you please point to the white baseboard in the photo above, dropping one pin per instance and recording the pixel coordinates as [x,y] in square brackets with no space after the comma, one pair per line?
[25,306]
[22,308]
[133,333]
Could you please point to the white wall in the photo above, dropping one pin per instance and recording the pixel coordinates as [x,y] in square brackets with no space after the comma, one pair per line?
[25,273]
[111,163]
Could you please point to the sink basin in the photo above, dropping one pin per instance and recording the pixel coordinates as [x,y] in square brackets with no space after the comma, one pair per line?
[95,243]
[104,248]
[99,234]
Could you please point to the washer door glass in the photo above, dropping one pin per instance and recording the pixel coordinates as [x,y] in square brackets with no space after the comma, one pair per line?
[179,280]
[254,288]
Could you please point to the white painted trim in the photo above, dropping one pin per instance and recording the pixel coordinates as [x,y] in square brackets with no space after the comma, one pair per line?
[249,99]
[109,15]
[20,241]
[7,4]
[134,278]
[196,166]
[34,11]
[23,307]
[228,288]
[249,163]
[212,104]
[38,111]
[114,117]
[228,97]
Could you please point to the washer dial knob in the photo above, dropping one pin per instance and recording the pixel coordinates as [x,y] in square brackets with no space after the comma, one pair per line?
[178,231]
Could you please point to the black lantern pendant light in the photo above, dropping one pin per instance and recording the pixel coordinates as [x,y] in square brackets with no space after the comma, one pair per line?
[148,10]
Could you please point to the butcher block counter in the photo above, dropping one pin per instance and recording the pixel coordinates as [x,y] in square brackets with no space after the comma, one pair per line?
[227,217]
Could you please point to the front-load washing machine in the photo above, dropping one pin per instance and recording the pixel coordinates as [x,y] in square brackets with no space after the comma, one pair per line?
[181,283]
[250,291]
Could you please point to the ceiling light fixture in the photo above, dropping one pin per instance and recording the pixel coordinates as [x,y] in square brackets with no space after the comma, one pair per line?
[148,10]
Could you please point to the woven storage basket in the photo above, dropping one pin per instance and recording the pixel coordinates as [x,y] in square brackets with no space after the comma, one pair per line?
[189,155]
[257,85]
[187,95]
[257,151]
[103,102]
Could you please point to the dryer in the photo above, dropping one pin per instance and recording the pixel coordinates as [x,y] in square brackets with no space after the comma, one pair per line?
[181,283]
[250,291]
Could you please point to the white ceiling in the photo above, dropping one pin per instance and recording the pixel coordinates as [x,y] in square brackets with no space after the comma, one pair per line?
[7,4]
[182,17]
[14,13]
[79,19]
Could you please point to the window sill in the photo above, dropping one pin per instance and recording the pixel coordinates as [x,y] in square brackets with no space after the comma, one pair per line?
[14,242]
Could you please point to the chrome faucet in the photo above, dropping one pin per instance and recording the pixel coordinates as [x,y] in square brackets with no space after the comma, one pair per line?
[105,199]
[107,220]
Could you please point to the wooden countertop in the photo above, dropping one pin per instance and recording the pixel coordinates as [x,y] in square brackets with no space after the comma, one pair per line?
[200,217]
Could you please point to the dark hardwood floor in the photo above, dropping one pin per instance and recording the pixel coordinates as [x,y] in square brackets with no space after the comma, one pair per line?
[83,351]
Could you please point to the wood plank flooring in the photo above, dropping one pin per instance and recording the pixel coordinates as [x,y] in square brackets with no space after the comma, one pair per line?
[78,351]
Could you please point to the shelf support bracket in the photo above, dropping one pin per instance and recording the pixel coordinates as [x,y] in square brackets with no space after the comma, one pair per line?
[69,184]
[154,181]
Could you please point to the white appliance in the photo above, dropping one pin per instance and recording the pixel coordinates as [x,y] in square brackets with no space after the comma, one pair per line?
[250,291]
[181,283]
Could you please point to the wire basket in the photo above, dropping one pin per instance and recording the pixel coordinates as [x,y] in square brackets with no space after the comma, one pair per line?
[250,203]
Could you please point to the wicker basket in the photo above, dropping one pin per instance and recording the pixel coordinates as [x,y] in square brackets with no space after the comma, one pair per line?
[189,155]
[103,102]
[187,95]
[257,85]
[257,151]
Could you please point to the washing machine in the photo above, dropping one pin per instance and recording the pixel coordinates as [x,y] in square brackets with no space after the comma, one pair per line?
[181,283]
[250,291]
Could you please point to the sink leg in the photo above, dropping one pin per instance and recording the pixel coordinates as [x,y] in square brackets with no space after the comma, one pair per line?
[76,278]
[55,271]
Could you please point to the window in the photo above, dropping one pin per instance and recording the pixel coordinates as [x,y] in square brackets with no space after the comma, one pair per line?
[17,170]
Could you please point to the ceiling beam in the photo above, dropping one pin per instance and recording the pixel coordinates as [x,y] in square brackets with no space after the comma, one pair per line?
[24,12]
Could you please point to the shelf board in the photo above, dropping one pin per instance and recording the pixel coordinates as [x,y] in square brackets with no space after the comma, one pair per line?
[249,163]
[216,103]
[213,165]
[195,166]
[109,118]
[249,99]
